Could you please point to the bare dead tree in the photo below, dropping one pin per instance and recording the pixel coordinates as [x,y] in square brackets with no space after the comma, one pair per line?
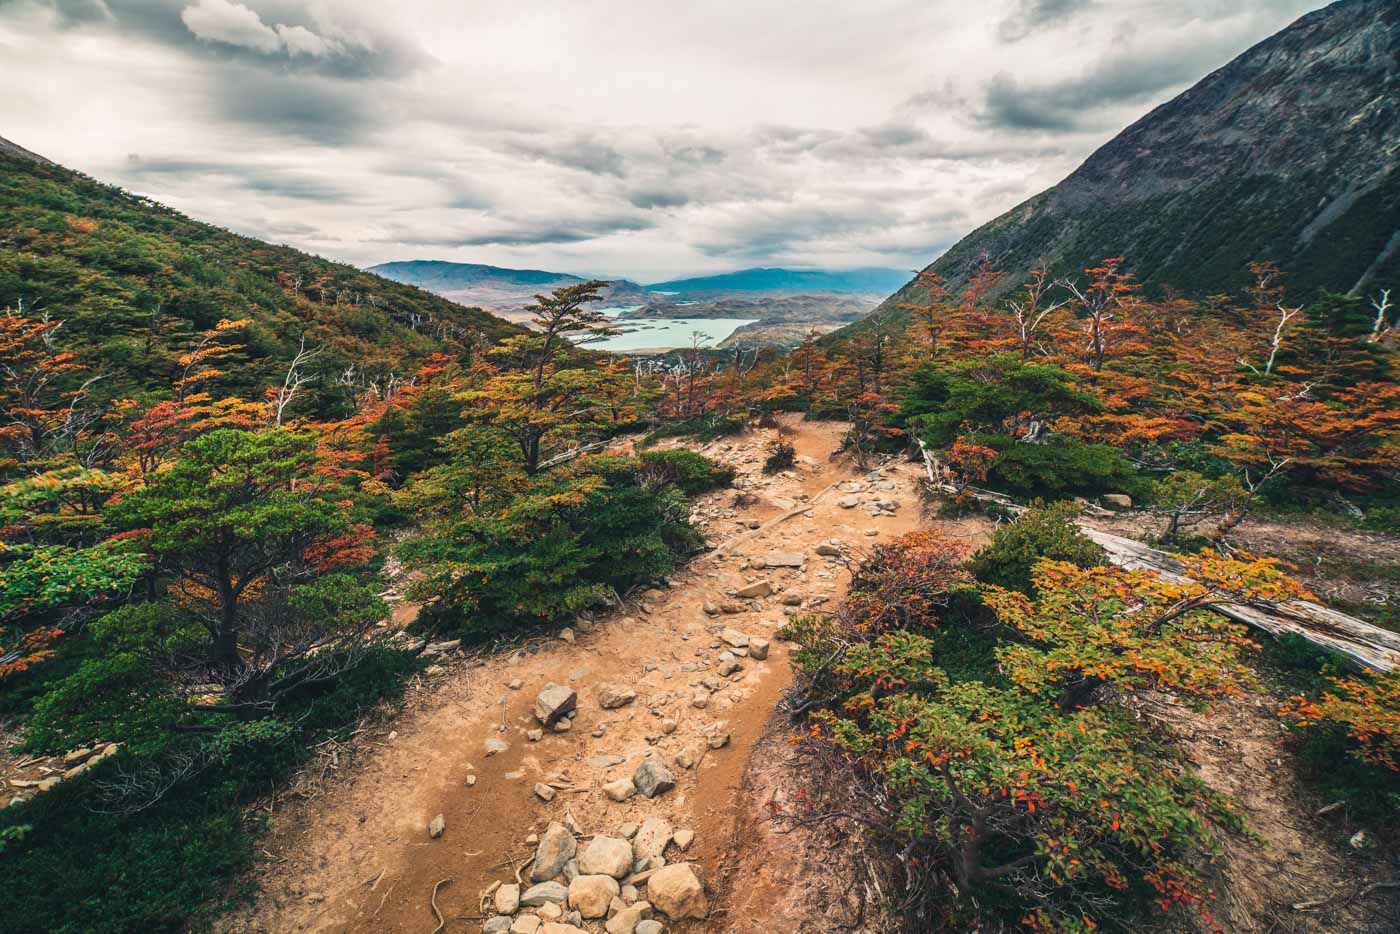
[293,381]
[1285,315]
[1031,313]
[1382,324]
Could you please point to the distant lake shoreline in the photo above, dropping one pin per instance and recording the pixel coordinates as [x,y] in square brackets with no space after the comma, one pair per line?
[665,333]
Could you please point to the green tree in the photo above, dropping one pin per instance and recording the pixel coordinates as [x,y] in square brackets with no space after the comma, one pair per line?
[235,510]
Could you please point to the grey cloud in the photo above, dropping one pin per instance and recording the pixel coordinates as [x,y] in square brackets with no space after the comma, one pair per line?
[658,199]
[280,35]
[766,229]
[525,232]
[307,107]
[895,134]
[1073,104]
[583,153]
[696,154]
[1030,15]
[285,183]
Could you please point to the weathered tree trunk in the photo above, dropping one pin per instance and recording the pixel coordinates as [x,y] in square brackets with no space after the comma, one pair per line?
[1363,645]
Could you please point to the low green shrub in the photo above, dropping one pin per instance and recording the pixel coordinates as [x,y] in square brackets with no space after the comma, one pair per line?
[1043,532]
[701,428]
[781,456]
[690,472]
[571,537]
[1033,814]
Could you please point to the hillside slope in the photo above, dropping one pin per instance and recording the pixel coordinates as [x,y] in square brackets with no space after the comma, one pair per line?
[133,282]
[1288,153]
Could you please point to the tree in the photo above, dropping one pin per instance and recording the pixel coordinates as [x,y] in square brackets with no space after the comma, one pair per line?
[39,393]
[1106,304]
[236,512]
[562,314]
[1034,312]
[1185,499]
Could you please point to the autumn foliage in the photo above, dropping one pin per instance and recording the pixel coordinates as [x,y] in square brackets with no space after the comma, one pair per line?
[1020,781]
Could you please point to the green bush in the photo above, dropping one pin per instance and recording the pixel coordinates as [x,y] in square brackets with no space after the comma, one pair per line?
[701,428]
[781,456]
[691,473]
[1029,814]
[1042,532]
[1060,467]
[572,537]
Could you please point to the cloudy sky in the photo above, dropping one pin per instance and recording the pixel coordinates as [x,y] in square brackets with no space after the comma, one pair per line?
[623,137]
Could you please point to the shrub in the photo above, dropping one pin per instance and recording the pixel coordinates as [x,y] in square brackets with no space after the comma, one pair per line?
[690,472]
[976,752]
[1059,467]
[781,456]
[1365,707]
[1068,819]
[570,538]
[1042,532]
[1087,628]
[1185,499]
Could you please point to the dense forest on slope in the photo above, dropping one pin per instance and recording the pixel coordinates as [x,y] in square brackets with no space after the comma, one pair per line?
[137,283]
[1285,154]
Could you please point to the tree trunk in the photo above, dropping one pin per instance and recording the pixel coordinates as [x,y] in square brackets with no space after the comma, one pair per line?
[226,639]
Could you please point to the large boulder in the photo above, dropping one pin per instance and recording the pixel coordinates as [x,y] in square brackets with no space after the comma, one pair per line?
[652,777]
[626,920]
[734,637]
[652,838]
[757,589]
[507,899]
[608,856]
[553,702]
[556,848]
[676,892]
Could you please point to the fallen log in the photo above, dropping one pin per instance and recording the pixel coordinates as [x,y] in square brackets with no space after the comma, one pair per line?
[1363,645]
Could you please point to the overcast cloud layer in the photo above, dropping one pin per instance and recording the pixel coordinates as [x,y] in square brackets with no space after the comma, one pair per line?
[600,136]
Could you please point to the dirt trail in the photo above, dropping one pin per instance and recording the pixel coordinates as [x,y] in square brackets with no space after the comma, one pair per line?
[358,857]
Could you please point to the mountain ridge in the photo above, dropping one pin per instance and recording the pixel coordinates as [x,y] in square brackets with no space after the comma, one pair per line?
[1287,153]
[872,279]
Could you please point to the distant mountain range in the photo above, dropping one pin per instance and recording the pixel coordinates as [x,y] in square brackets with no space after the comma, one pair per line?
[1288,153]
[873,281]
[496,288]
[827,297]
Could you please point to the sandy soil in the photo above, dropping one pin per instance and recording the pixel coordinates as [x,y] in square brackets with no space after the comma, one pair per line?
[357,857]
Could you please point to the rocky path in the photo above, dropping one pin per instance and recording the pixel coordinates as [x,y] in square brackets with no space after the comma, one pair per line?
[564,739]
